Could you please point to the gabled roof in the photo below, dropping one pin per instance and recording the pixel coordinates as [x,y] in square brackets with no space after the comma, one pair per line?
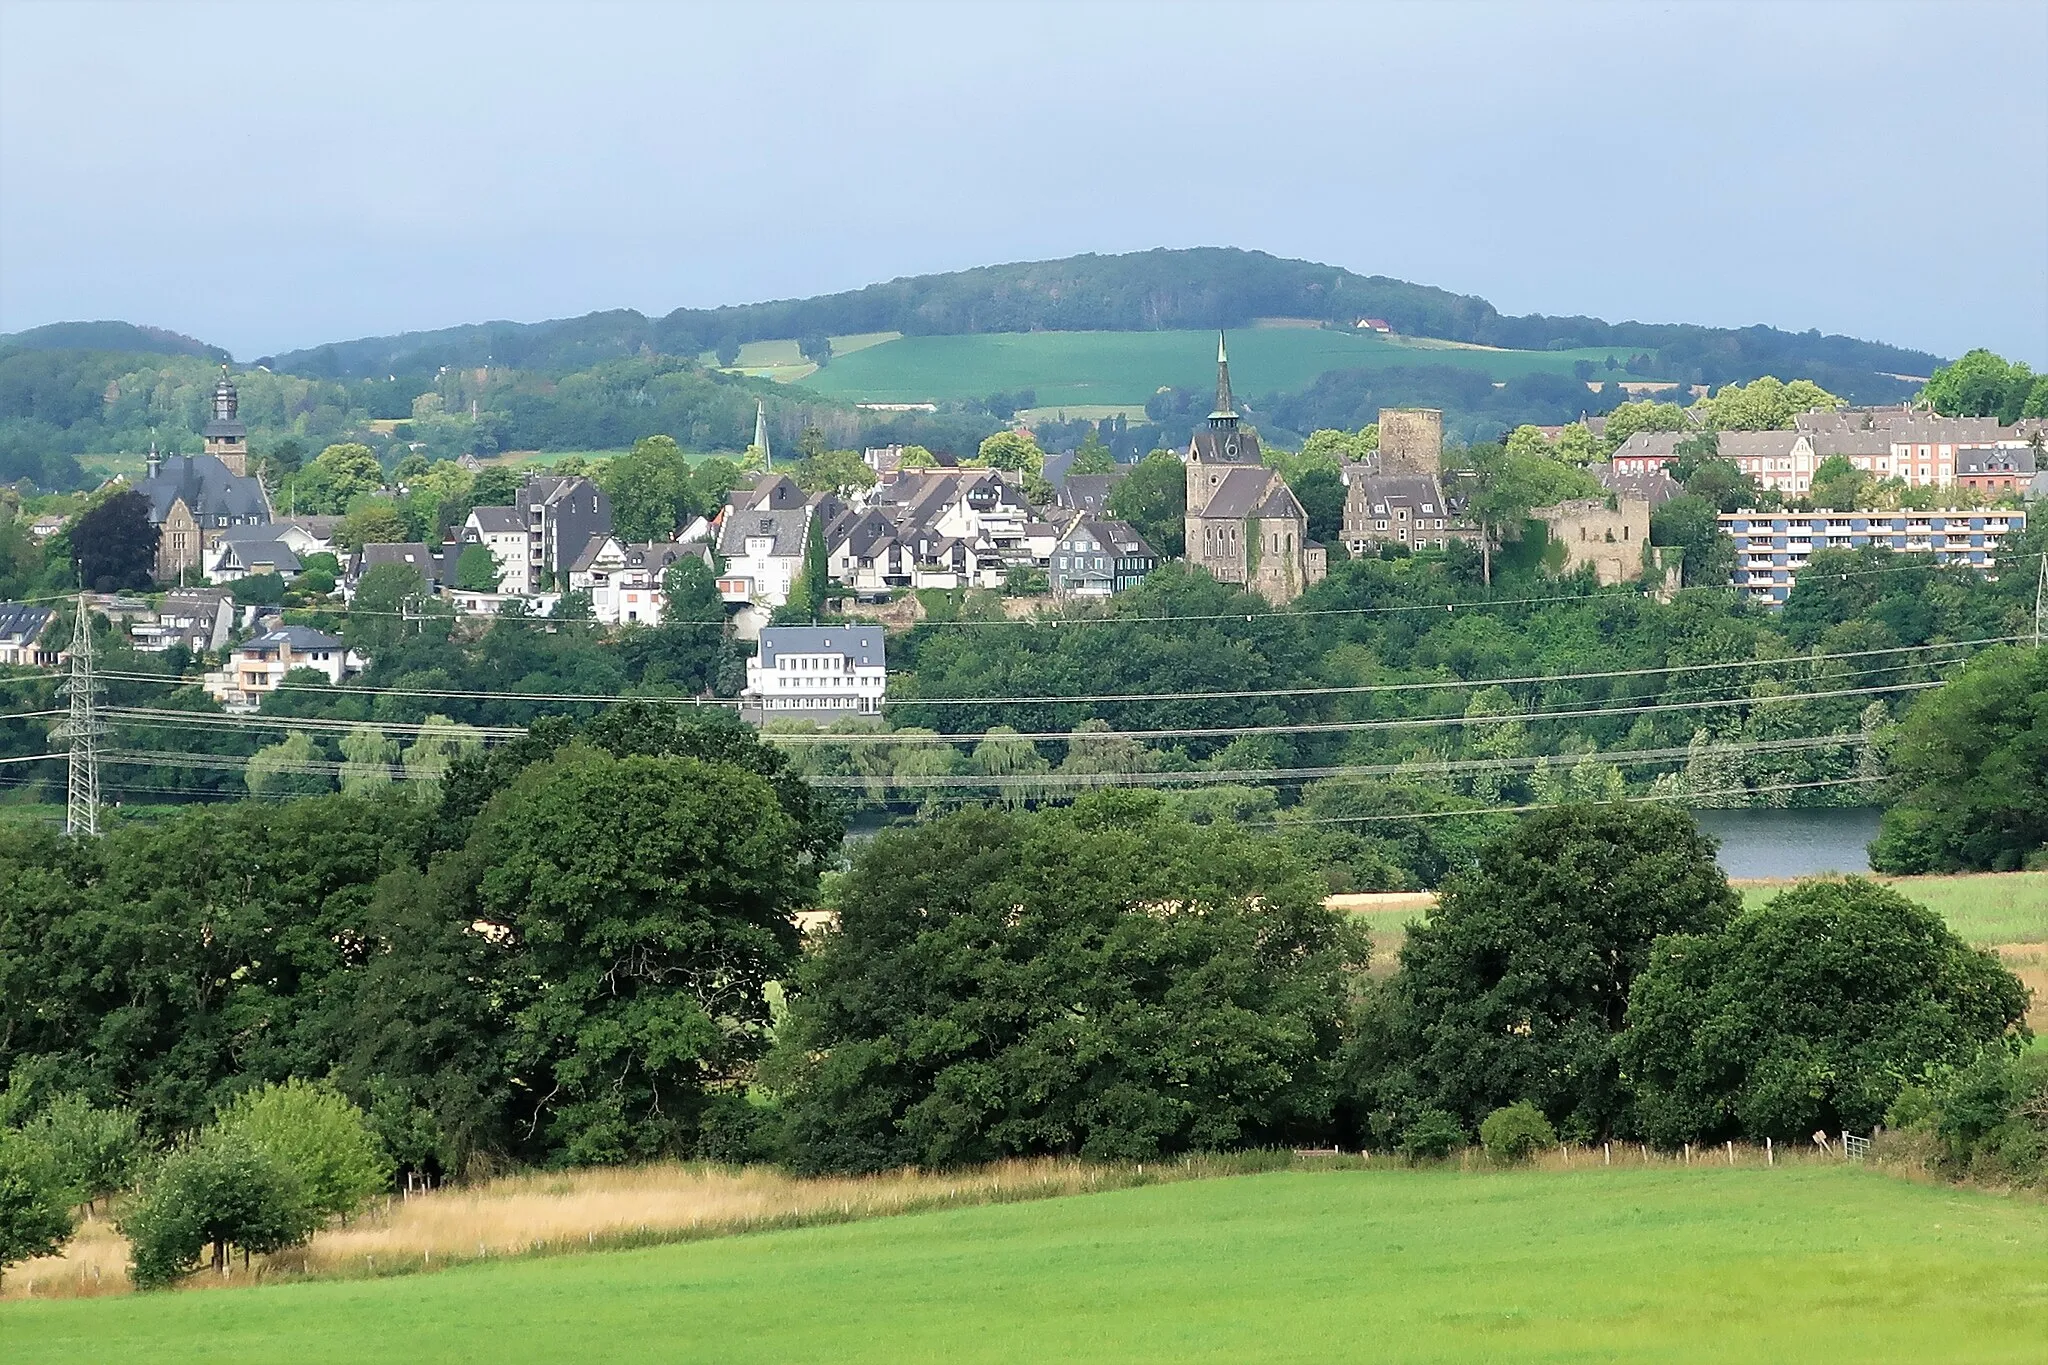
[1090,492]
[1651,443]
[299,638]
[498,520]
[20,621]
[1846,441]
[863,643]
[1655,489]
[1119,536]
[1753,443]
[242,553]
[1243,493]
[413,553]
[207,487]
[768,492]
[785,527]
[593,550]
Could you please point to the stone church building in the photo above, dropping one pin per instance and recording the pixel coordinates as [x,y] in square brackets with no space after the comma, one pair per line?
[195,499]
[1244,524]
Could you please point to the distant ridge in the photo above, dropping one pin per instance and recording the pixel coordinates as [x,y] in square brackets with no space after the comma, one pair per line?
[1142,291]
[111,336]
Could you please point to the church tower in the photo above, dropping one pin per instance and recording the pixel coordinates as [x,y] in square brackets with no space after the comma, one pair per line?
[1224,418]
[227,440]
[761,433]
[1219,444]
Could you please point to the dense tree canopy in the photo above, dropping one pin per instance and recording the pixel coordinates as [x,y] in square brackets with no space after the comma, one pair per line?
[1518,985]
[1806,1013]
[114,543]
[1970,770]
[1105,980]
[1982,384]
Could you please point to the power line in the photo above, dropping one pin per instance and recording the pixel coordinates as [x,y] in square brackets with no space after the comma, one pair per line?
[1656,798]
[1335,727]
[1417,767]
[1363,689]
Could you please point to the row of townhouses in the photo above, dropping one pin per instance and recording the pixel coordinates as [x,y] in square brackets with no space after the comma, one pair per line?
[1922,449]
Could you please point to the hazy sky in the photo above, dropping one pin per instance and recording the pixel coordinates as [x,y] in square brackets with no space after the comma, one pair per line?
[274,175]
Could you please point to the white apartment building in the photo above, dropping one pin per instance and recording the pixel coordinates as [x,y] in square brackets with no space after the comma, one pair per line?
[503,531]
[1772,547]
[818,672]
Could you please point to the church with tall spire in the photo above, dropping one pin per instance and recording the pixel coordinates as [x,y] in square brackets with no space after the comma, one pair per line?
[1244,524]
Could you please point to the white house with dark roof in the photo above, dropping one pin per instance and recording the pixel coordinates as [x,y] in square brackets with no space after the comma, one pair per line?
[253,551]
[197,618]
[624,580]
[817,672]
[256,668]
[763,551]
[21,634]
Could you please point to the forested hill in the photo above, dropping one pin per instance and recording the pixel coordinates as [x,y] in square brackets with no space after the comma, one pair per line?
[109,336]
[1141,291]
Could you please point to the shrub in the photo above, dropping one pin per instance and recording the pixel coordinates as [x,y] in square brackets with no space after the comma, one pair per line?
[1432,1135]
[1516,1132]
[319,1136]
[35,1218]
[219,1193]
[1987,1120]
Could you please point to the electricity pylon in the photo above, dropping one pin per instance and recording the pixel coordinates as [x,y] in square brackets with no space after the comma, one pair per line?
[82,810]
[2041,603]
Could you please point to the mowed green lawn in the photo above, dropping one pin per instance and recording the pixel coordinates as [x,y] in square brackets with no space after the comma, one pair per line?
[1126,368]
[1669,1265]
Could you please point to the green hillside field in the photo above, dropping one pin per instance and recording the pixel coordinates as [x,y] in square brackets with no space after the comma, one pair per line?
[1670,1264]
[1123,369]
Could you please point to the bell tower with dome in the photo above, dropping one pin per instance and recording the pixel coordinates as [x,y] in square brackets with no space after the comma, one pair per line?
[227,439]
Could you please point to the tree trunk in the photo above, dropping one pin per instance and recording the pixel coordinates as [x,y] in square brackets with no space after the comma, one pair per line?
[220,1258]
[1486,554]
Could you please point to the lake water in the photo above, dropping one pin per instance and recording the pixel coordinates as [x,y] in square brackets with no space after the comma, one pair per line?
[1792,843]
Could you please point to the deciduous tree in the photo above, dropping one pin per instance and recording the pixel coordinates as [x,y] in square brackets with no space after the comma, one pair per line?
[1518,984]
[1806,1013]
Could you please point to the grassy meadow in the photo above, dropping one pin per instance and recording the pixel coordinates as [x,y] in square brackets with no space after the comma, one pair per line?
[1124,369]
[1988,908]
[1664,1263]
[2004,910]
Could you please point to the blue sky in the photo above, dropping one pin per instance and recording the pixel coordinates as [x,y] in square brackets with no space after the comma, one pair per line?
[268,176]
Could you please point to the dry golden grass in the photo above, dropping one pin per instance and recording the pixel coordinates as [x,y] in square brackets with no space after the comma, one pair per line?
[2029,962]
[94,1261]
[565,1211]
